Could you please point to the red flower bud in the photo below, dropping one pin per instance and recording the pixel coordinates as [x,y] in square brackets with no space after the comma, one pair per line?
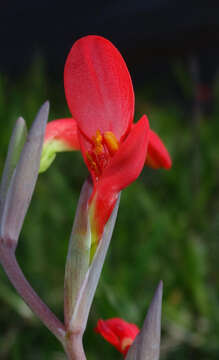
[118,332]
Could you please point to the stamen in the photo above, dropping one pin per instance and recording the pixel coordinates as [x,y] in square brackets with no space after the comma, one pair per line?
[111,142]
[97,140]
[103,147]
[93,164]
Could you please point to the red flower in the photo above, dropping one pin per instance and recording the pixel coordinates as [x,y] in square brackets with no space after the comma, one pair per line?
[100,97]
[118,332]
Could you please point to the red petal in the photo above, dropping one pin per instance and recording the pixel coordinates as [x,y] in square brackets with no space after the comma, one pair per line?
[122,328]
[104,329]
[103,201]
[133,330]
[98,87]
[126,165]
[124,168]
[64,130]
[157,156]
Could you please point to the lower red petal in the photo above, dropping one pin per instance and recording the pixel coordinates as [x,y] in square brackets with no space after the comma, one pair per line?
[102,203]
[124,168]
[63,130]
[126,165]
[157,156]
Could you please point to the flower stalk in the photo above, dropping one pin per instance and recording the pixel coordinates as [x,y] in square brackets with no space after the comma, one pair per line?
[24,289]
[18,183]
[74,346]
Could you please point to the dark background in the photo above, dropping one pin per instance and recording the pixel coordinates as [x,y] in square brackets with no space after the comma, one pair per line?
[144,31]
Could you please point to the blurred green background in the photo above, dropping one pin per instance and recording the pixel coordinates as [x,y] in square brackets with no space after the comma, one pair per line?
[167,229]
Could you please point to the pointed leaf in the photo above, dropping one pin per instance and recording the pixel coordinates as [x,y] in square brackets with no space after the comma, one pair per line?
[23,180]
[147,344]
[16,144]
[83,305]
[98,87]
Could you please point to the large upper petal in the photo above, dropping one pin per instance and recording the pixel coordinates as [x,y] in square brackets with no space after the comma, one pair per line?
[98,87]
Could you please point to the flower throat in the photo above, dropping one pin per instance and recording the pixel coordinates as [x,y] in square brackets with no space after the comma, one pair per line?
[104,146]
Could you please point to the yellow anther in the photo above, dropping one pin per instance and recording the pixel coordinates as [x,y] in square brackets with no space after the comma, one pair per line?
[111,142]
[98,149]
[92,164]
[97,140]
[99,137]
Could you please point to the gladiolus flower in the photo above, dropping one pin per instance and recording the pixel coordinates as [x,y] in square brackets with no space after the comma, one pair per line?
[118,332]
[100,97]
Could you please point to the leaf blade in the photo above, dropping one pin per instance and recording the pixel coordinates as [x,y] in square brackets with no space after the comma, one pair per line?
[16,144]
[23,180]
[147,344]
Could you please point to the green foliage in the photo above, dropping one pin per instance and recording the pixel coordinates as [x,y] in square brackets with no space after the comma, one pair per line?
[167,229]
